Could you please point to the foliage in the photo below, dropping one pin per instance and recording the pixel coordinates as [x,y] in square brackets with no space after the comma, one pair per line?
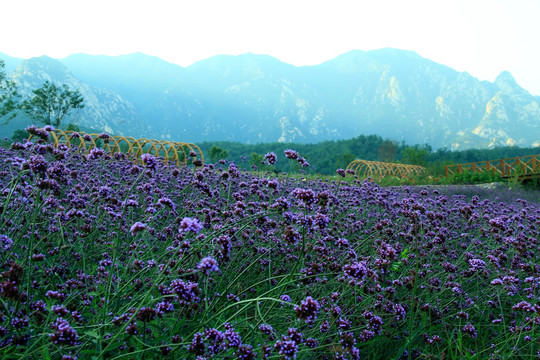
[52,104]
[73,127]
[256,160]
[9,97]
[387,151]
[19,135]
[327,156]
[468,177]
[416,155]
[216,153]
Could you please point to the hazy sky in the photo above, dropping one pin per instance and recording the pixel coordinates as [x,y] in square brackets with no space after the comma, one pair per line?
[482,37]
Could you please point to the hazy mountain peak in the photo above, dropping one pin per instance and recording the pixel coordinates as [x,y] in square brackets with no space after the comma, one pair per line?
[10,62]
[506,82]
[32,73]
[239,63]
[505,76]
[45,63]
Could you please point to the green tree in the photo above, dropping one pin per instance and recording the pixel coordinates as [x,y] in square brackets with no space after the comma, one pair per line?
[416,155]
[53,104]
[348,158]
[217,153]
[387,151]
[19,135]
[73,127]
[9,97]
[257,160]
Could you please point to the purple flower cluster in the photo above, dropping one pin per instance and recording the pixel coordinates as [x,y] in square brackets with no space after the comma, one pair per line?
[212,342]
[42,133]
[307,196]
[95,153]
[208,265]
[38,164]
[150,161]
[287,348]
[64,334]
[136,228]
[190,224]
[186,291]
[270,158]
[307,310]
[293,155]
[5,242]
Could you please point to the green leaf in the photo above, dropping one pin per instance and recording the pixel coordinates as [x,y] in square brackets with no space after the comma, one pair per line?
[45,353]
[404,253]
[92,334]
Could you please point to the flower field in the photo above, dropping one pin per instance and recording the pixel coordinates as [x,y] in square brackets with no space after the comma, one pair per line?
[106,257]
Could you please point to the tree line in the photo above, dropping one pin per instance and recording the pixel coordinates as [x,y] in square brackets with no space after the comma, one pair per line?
[327,156]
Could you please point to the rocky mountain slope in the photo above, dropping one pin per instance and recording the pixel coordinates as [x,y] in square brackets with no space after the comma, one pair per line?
[104,109]
[255,98]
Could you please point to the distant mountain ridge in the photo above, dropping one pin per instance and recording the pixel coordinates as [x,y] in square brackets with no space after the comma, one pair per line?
[256,98]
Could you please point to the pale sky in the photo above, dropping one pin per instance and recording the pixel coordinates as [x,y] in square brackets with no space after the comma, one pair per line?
[482,37]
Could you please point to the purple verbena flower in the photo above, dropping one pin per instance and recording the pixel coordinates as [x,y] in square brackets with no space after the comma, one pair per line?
[232,337]
[64,334]
[291,154]
[295,335]
[302,161]
[287,348]
[105,137]
[186,291]
[95,153]
[38,164]
[208,264]
[147,314]
[266,329]
[136,228]
[190,224]
[290,235]
[307,196]
[5,242]
[245,352]
[307,310]
[470,330]
[41,133]
[271,158]
[477,264]
[167,201]
[150,161]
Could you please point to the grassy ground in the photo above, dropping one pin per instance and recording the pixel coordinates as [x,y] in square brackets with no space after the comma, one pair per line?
[101,258]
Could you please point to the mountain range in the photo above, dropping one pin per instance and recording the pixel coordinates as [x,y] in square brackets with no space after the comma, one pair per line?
[249,98]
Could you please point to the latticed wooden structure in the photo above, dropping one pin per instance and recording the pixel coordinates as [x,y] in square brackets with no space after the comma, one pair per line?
[177,152]
[367,168]
[524,167]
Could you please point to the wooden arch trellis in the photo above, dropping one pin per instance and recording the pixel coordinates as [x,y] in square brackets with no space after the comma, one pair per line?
[179,152]
[367,168]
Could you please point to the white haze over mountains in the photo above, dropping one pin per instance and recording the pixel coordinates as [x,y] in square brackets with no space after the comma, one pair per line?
[251,98]
[482,37]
